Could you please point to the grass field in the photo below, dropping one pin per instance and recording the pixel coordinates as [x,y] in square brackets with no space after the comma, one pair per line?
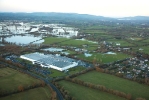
[66,41]
[41,93]
[116,83]
[52,40]
[73,42]
[145,49]
[10,79]
[76,69]
[122,42]
[55,73]
[83,93]
[104,58]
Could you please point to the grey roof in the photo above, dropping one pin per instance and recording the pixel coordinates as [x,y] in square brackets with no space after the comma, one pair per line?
[59,61]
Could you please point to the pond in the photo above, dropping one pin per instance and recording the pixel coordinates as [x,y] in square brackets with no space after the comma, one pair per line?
[66,53]
[54,49]
[23,39]
[87,40]
[111,53]
[87,54]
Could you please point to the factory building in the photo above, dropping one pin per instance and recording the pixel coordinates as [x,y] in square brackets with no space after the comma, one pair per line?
[57,62]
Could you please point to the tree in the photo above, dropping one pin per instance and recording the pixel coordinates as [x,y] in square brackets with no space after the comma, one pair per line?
[20,88]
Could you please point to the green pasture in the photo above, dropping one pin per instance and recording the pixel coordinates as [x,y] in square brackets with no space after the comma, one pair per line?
[76,69]
[53,40]
[121,42]
[145,49]
[55,73]
[73,42]
[10,79]
[84,93]
[104,58]
[40,93]
[116,83]
[66,41]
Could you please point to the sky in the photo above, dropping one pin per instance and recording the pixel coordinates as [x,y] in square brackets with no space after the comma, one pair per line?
[108,8]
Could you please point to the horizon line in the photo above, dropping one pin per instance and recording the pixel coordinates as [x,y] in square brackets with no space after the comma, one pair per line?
[77,13]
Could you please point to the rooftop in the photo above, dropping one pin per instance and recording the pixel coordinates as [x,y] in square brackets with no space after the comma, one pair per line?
[59,61]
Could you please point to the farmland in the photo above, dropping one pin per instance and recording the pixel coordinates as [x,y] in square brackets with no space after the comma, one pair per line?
[104,58]
[134,88]
[41,93]
[84,93]
[11,80]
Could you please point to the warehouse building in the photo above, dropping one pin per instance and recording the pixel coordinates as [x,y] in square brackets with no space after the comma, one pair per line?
[57,62]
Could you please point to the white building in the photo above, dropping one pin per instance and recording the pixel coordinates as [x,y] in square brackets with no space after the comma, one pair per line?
[51,61]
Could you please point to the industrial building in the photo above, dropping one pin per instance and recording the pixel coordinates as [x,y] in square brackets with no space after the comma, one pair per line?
[57,62]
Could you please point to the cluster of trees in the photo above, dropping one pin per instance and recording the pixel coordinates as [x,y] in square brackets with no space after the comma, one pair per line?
[64,92]
[100,87]
[53,93]
[11,49]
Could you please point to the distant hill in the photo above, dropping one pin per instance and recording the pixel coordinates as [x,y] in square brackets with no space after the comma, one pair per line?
[64,18]
[52,15]
[135,18]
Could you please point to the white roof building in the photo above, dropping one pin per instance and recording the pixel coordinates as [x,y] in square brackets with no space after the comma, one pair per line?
[51,61]
[34,30]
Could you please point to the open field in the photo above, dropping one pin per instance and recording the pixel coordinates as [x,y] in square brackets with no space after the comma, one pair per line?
[41,93]
[73,42]
[145,49]
[104,58]
[68,42]
[10,79]
[83,93]
[119,41]
[52,40]
[56,73]
[116,83]
[76,69]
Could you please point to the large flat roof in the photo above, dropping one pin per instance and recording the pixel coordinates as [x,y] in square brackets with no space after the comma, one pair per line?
[59,61]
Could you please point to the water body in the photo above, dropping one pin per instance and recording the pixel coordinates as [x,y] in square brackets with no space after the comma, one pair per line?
[54,49]
[23,39]
[66,53]
[111,53]
[87,40]
[87,54]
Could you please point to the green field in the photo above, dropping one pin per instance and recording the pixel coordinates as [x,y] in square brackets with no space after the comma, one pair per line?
[10,79]
[83,93]
[41,93]
[76,69]
[145,49]
[53,40]
[116,83]
[66,41]
[73,42]
[104,58]
[55,73]
[122,42]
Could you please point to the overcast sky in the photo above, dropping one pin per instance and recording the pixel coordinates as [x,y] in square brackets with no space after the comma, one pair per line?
[110,8]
